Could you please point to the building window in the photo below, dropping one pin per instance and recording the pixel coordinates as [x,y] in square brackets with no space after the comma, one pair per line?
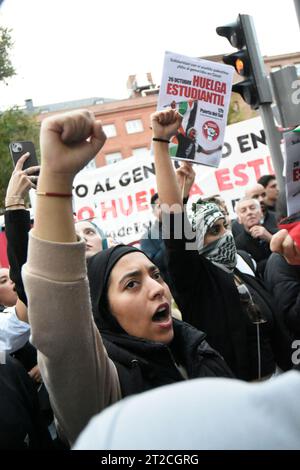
[110,130]
[297,68]
[140,151]
[275,68]
[113,157]
[134,126]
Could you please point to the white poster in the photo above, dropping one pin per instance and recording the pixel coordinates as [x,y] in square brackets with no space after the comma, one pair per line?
[200,90]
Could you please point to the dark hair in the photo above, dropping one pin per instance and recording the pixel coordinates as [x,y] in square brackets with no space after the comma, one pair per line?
[265,180]
[154,198]
[216,199]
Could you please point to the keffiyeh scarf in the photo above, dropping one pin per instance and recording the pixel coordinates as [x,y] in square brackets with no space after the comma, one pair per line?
[221,252]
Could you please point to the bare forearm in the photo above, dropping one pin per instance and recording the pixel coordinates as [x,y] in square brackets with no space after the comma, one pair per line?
[54,217]
[167,185]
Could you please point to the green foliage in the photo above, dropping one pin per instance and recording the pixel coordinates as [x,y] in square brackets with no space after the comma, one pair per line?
[6,68]
[14,126]
[238,110]
[234,115]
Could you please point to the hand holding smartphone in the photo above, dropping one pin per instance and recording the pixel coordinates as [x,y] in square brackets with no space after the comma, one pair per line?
[17,149]
[25,175]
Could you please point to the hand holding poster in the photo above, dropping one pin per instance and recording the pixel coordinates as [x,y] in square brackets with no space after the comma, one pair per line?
[200,90]
[292,152]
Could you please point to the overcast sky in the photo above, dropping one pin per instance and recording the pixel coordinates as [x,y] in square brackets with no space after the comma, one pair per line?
[71,49]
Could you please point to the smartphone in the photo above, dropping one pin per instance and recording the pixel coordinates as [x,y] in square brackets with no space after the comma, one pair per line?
[17,149]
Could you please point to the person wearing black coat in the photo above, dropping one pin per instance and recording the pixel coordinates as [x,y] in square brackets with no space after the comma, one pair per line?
[254,237]
[21,424]
[257,248]
[213,293]
[142,363]
[257,191]
[208,298]
[17,227]
[283,281]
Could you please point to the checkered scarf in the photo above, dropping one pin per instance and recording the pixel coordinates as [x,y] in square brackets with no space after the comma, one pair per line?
[221,252]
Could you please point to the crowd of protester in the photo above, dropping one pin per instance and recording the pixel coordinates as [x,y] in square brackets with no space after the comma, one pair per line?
[86,322]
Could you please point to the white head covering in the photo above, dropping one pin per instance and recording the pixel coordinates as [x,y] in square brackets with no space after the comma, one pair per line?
[202,414]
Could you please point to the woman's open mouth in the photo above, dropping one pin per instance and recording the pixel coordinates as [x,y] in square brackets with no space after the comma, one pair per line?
[162,315]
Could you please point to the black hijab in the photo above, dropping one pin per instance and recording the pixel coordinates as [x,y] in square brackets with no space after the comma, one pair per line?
[99,268]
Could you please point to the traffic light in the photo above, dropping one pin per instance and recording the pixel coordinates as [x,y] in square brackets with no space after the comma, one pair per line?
[247,61]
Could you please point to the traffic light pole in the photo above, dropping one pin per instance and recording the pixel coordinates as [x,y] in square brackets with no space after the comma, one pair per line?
[255,89]
[273,140]
[297,8]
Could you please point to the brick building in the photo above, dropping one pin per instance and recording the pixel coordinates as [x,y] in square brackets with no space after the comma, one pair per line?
[127,126]
[126,122]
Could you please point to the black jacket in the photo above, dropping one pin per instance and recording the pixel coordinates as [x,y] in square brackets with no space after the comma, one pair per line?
[269,223]
[209,300]
[283,281]
[21,423]
[259,249]
[17,227]
[143,365]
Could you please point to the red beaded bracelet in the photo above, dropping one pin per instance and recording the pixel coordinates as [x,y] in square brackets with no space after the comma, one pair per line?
[42,193]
